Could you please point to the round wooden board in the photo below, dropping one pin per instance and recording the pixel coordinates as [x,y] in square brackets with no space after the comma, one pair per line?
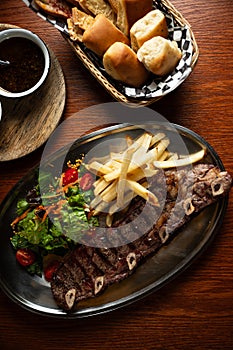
[29,121]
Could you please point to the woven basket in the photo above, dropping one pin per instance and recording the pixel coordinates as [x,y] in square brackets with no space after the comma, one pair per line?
[155,87]
[113,88]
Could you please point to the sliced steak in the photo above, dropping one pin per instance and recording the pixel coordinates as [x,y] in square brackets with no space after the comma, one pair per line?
[87,271]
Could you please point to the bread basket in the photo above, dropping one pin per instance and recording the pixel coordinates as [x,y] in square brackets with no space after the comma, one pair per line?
[179,30]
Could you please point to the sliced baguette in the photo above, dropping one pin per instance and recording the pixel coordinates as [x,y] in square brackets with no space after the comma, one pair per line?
[81,19]
[97,7]
[114,5]
[75,32]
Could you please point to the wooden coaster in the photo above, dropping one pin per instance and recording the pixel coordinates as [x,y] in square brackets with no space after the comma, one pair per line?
[29,121]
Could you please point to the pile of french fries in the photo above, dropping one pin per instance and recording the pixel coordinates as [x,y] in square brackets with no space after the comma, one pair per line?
[123,175]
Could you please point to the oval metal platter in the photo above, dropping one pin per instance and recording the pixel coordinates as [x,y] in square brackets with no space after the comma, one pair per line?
[34,294]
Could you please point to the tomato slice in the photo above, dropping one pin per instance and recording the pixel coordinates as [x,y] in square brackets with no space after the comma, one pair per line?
[69,176]
[50,269]
[86,181]
[25,256]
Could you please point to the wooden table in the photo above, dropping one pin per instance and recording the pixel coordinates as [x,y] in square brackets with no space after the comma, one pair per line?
[195,311]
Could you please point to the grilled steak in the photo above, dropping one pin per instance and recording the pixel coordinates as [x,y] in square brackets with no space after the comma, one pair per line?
[88,270]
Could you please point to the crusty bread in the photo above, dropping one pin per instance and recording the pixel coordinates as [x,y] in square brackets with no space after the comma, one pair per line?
[97,7]
[56,8]
[73,2]
[114,5]
[80,4]
[81,19]
[102,34]
[129,11]
[75,32]
[152,24]
[121,63]
[159,55]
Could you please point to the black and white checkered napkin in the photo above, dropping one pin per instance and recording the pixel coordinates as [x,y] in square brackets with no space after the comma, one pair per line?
[156,87]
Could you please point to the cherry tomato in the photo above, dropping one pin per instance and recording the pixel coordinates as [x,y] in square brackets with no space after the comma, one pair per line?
[86,182]
[50,269]
[70,175]
[25,256]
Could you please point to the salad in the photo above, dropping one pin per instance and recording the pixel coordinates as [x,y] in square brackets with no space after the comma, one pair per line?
[49,222]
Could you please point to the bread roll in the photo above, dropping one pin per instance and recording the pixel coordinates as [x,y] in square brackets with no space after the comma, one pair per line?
[129,11]
[121,63]
[152,24]
[159,55]
[102,34]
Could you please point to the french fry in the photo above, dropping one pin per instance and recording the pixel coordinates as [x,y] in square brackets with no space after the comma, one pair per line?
[142,150]
[143,192]
[109,219]
[172,156]
[164,156]
[98,168]
[123,175]
[112,176]
[96,183]
[128,197]
[135,145]
[144,146]
[101,186]
[140,139]
[151,155]
[96,201]
[141,174]
[129,140]
[125,160]
[109,193]
[161,147]
[114,164]
[156,138]
[192,158]
[100,208]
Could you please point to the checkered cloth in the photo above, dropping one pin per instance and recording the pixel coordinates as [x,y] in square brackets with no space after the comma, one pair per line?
[156,87]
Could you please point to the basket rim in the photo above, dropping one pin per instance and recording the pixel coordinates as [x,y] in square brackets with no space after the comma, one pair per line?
[182,20]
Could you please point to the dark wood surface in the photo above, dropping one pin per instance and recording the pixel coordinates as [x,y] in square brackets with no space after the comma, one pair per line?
[195,311]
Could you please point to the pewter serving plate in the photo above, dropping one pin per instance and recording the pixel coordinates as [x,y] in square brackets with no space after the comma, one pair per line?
[34,294]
